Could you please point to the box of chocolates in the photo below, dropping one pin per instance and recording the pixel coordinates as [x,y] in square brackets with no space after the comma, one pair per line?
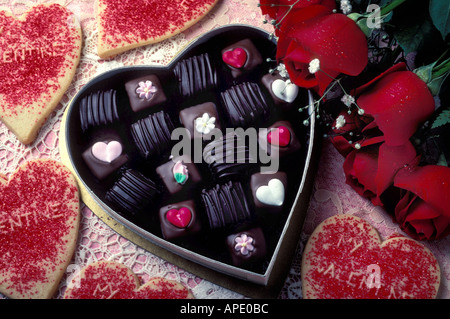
[200,161]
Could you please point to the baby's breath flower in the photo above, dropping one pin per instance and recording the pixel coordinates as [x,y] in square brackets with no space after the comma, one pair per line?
[314,66]
[340,121]
[348,100]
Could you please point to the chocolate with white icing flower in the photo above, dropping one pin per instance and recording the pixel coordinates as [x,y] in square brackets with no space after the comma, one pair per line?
[145,92]
[247,247]
[201,120]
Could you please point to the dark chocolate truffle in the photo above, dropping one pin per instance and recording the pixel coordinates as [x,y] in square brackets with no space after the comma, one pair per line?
[245,105]
[200,120]
[133,193]
[241,57]
[269,191]
[226,205]
[98,108]
[105,154]
[229,156]
[145,92]
[152,134]
[247,247]
[179,174]
[195,75]
[282,90]
[179,220]
[279,139]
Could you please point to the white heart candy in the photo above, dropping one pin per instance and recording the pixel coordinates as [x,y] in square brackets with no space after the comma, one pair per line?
[285,90]
[107,152]
[272,193]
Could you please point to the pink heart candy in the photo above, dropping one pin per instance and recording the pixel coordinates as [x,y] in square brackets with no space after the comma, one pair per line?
[107,152]
[179,217]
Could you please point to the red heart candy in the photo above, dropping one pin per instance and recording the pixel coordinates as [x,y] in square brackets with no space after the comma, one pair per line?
[279,136]
[236,57]
[179,217]
[112,280]
[345,258]
[39,220]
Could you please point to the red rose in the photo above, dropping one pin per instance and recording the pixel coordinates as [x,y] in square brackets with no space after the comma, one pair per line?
[277,9]
[353,129]
[371,170]
[398,100]
[423,211]
[314,32]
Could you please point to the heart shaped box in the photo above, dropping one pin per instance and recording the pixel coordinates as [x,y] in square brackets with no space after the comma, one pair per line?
[259,284]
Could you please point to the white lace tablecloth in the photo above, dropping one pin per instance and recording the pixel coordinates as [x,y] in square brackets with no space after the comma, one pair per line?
[99,242]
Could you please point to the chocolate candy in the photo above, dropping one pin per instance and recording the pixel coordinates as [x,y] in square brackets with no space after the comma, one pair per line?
[282,90]
[201,120]
[279,140]
[179,174]
[179,220]
[98,108]
[133,193]
[241,57]
[152,134]
[145,92]
[245,105]
[195,75]
[247,247]
[229,156]
[269,191]
[105,154]
[226,205]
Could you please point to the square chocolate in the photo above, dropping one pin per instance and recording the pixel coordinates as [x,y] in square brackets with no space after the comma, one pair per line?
[269,191]
[105,154]
[279,140]
[179,174]
[241,57]
[247,247]
[201,120]
[145,92]
[282,90]
[179,220]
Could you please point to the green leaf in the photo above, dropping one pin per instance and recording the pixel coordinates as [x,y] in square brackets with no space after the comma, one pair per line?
[442,119]
[440,15]
[411,38]
[180,178]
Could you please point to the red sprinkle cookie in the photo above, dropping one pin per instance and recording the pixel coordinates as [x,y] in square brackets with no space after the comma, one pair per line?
[112,280]
[39,53]
[39,221]
[345,258]
[127,24]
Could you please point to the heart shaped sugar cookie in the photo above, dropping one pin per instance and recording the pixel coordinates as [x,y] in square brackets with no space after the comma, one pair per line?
[39,221]
[124,25]
[345,258]
[39,53]
[112,280]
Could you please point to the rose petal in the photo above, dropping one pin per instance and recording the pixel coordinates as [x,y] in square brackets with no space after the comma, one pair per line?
[431,183]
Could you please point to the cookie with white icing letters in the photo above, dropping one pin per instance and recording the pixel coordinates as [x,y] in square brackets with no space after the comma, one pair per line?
[39,223]
[346,259]
[39,54]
